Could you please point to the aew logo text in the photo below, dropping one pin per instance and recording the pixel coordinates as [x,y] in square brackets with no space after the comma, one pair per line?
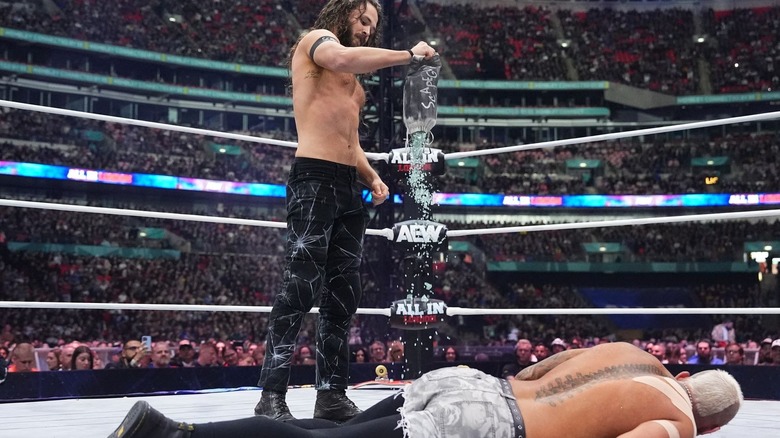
[419,232]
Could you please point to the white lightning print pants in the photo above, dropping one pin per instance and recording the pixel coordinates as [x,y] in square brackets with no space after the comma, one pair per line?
[326,222]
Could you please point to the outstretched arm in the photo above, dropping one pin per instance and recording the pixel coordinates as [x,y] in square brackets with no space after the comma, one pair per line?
[539,369]
[657,429]
[330,54]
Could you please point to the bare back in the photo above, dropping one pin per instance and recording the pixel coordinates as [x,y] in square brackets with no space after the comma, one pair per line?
[606,391]
[327,107]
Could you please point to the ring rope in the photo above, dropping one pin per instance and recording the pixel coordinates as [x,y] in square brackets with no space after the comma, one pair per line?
[140,213]
[619,222]
[386,156]
[451,311]
[157,125]
[164,307]
[387,232]
[617,135]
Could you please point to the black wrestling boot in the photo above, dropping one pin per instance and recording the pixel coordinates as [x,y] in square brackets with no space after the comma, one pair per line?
[273,405]
[334,405]
[143,421]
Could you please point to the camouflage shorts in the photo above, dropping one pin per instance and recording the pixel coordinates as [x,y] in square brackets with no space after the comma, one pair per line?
[462,403]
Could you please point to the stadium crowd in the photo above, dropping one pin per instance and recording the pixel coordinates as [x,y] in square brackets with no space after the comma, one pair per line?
[625,167]
[212,272]
[674,51]
[226,264]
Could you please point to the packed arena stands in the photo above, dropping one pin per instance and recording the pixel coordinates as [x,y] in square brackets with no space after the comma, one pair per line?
[653,49]
[241,265]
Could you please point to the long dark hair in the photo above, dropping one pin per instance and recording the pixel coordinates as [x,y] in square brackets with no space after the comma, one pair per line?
[82,349]
[334,17]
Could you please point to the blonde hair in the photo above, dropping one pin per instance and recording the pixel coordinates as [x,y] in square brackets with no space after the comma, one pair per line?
[717,396]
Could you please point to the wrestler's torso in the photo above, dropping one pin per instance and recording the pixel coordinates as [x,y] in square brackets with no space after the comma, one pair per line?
[605,395]
[327,109]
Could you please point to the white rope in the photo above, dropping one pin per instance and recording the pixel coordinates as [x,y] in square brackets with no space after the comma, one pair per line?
[618,223]
[451,311]
[616,135]
[113,119]
[387,233]
[385,156]
[156,125]
[163,307]
[376,156]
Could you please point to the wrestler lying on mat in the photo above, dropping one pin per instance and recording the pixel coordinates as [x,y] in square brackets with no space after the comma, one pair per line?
[611,390]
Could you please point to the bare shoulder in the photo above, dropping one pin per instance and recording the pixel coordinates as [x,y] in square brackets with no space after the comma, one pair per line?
[616,346]
[620,348]
[312,37]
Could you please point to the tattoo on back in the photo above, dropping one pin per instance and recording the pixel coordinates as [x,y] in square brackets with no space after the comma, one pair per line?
[567,387]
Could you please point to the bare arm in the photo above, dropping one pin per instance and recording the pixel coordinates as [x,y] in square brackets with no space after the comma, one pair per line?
[331,55]
[539,369]
[371,179]
[656,429]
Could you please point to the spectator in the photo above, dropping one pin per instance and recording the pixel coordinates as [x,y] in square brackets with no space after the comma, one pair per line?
[376,352]
[53,360]
[541,352]
[258,354]
[395,352]
[82,359]
[246,360]
[523,359]
[230,357]
[185,357]
[704,354]
[22,359]
[723,333]
[7,337]
[220,353]
[207,355]
[765,352]
[303,356]
[450,354]
[557,346]
[735,354]
[359,355]
[133,355]
[659,352]
[679,356]
[66,355]
[161,355]
[775,352]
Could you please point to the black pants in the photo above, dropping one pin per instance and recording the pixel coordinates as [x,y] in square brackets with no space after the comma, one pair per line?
[326,222]
[378,421]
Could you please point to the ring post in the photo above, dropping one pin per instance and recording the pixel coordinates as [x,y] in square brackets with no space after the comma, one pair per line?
[417,237]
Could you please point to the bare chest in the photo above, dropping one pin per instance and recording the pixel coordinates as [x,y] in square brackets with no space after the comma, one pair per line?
[341,84]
